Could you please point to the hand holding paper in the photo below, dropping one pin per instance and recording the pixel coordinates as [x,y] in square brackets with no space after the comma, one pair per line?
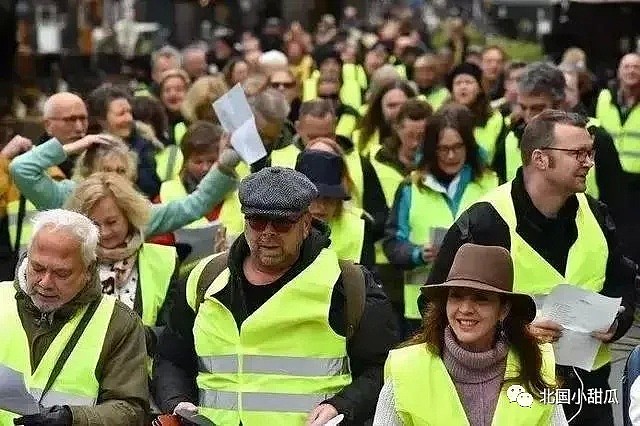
[236,118]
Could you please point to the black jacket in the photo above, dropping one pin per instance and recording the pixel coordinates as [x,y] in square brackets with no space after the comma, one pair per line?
[175,366]
[609,172]
[148,181]
[551,238]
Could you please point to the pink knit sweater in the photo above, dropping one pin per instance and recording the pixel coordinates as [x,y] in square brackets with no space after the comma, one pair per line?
[477,376]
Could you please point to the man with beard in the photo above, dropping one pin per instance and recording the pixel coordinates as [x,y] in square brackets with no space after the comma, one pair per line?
[541,87]
[556,235]
[269,336]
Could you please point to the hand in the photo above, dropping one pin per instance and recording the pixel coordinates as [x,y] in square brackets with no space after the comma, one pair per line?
[546,330]
[429,254]
[84,143]
[58,415]
[224,143]
[606,336]
[186,407]
[16,146]
[321,415]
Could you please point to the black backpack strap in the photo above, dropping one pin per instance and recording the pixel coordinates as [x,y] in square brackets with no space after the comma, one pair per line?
[355,295]
[22,212]
[209,273]
[64,355]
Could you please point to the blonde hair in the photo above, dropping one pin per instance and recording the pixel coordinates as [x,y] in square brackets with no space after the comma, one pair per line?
[86,164]
[197,102]
[98,186]
[576,57]
[176,72]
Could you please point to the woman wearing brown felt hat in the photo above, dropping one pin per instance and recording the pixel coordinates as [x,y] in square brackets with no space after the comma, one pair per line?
[474,362]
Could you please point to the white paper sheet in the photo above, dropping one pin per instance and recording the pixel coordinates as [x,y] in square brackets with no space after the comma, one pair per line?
[247,142]
[335,421]
[579,312]
[14,396]
[236,118]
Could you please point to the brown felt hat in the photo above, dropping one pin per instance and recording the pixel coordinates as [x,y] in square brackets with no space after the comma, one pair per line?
[487,268]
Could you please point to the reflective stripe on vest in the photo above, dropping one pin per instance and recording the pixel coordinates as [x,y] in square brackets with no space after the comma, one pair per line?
[426,395]
[586,260]
[30,210]
[437,97]
[169,162]
[274,379]
[156,264]
[487,136]
[353,162]
[76,383]
[390,179]
[626,137]
[347,233]
[429,210]
[285,157]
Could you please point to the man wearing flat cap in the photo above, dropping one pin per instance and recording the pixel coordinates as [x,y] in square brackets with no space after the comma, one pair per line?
[277,331]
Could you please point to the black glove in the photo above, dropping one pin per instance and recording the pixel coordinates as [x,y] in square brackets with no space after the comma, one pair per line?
[58,415]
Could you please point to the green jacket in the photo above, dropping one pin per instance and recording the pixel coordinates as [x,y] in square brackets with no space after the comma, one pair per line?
[124,394]
[29,172]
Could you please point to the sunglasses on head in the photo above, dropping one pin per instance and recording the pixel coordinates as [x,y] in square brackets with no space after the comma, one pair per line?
[258,223]
[285,84]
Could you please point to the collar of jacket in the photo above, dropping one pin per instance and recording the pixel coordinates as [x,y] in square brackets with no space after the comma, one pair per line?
[91,292]
[525,208]
[387,156]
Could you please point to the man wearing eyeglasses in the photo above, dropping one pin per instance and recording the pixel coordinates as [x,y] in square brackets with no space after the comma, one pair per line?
[541,87]
[556,235]
[267,337]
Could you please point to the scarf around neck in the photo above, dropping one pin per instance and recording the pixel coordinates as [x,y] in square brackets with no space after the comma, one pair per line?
[116,264]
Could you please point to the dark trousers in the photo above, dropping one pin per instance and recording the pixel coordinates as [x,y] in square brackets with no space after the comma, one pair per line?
[598,414]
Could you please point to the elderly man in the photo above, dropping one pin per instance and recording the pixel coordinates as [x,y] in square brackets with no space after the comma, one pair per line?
[556,235]
[275,331]
[79,353]
[194,61]
[542,87]
[65,118]
[271,109]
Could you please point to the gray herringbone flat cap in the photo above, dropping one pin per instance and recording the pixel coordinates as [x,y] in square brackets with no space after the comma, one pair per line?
[276,192]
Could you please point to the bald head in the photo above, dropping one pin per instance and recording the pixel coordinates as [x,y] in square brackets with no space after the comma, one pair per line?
[629,71]
[65,117]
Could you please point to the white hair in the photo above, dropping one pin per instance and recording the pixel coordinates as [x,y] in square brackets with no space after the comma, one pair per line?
[273,59]
[271,105]
[167,51]
[76,225]
[195,47]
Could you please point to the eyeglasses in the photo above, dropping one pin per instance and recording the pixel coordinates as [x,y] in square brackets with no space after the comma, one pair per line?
[71,119]
[454,149]
[281,226]
[330,97]
[580,155]
[284,85]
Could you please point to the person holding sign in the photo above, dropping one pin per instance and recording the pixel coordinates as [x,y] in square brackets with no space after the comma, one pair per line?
[450,176]
[556,235]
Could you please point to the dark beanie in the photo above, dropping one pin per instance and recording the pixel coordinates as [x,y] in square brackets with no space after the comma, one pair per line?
[465,68]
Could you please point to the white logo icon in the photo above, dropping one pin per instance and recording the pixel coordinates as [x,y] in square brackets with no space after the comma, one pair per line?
[517,393]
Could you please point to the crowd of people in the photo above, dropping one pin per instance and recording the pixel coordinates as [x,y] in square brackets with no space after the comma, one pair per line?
[406,196]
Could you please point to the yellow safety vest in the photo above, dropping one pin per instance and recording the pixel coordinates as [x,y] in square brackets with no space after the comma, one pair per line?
[626,137]
[347,233]
[586,261]
[76,383]
[281,362]
[350,91]
[346,125]
[285,157]
[174,190]
[424,393]
[169,162]
[390,179]
[487,136]
[354,72]
[353,162]
[156,265]
[429,210]
[513,160]
[30,210]
[437,97]
[368,147]
[179,130]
